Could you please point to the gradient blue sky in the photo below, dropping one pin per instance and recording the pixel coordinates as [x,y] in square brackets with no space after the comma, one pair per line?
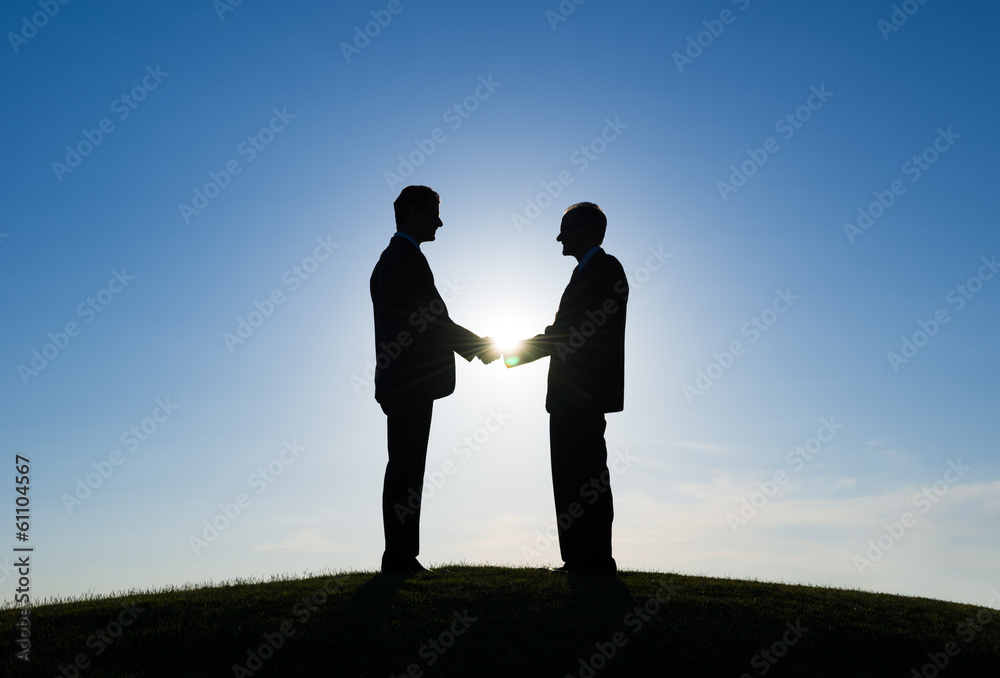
[672,131]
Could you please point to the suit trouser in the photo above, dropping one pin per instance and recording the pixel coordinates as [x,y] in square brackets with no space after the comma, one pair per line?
[581,484]
[408,426]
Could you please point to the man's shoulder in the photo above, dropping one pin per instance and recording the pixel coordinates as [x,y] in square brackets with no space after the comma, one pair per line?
[607,265]
[400,264]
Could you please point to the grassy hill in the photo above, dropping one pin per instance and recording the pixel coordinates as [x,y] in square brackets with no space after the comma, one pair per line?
[493,621]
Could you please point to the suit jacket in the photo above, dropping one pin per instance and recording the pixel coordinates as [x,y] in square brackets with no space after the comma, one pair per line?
[415,339]
[586,341]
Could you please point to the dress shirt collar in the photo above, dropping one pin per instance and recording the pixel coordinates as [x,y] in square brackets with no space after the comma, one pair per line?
[408,237]
[586,258]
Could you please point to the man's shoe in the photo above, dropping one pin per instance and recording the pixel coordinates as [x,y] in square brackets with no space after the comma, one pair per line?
[565,569]
[411,566]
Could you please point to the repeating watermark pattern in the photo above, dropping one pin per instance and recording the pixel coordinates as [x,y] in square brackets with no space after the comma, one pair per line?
[292,278]
[131,440]
[900,15]
[635,621]
[259,480]
[435,648]
[250,147]
[301,612]
[420,321]
[796,459]
[59,341]
[914,169]
[454,117]
[463,449]
[600,313]
[22,597]
[22,567]
[99,641]
[596,319]
[223,7]
[581,159]
[786,126]
[362,38]
[923,502]
[754,329]
[957,298]
[643,274]
[765,660]
[562,12]
[122,107]
[618,463]
[697,44]
[967,631]
[6,569]
[38,21]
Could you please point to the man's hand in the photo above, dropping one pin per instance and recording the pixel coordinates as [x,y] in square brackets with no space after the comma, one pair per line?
[581,399]
[488,353]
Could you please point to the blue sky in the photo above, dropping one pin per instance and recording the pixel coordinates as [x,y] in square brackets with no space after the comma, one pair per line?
[797,191]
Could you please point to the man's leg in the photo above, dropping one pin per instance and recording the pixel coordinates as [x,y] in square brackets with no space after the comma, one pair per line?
[408,428]
[594,535]
[565,484]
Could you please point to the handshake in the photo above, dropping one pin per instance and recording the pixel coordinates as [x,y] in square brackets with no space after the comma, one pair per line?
[488,350]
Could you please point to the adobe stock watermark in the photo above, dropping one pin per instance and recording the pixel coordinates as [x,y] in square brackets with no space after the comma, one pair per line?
[765,660]
[914,169]
[131,439]
[618,464]
[59,341]
[900,15]
[99,641]
[254,144]
[967,630]
[562,12]
[643,274]
[122,107]
[923,502]
[454,118]
[796,459]
[604,310]
[292,278]
[435,648]
[259,480]
[301,612]
[786,126]
[6,570]
[957,297]
[420,321]
[754,329]
[463,449]
[38,21]
[381,18]
[697,44]
[599,315]
[581,159]
[223,7]
[635,621]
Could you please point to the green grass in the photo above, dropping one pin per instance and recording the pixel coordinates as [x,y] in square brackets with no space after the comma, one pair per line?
[527,622]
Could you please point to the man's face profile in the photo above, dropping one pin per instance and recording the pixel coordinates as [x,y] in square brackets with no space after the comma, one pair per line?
[424,222]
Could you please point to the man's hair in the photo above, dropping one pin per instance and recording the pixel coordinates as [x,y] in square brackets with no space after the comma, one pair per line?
[419,197]
[592,215]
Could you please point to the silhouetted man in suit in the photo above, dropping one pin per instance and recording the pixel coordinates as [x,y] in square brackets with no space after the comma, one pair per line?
[586,349]
[415,342]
